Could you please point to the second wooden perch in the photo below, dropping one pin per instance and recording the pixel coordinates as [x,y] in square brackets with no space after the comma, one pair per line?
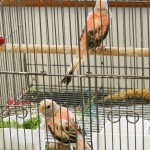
[60,49]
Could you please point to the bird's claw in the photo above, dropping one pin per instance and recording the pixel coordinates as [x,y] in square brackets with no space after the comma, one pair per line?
[102,48]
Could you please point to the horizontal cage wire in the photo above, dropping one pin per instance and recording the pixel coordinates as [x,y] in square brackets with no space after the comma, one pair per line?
[75,75]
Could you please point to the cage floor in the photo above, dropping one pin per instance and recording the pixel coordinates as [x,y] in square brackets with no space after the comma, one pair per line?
[96,124]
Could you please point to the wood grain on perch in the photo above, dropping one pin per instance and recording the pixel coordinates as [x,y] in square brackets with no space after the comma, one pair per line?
[66,3]
[46,49]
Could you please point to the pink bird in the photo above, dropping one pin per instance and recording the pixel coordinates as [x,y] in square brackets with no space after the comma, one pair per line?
[63,126]
[94,32]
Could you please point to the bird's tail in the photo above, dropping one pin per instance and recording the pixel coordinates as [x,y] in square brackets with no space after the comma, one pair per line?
[80,145]
[72,68]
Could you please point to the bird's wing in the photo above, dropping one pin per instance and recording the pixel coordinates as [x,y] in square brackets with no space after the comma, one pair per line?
[78,127]
[63,131]
[96,30]
[75,123]
[95,38]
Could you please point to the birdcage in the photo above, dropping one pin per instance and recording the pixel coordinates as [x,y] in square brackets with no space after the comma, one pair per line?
[109,94]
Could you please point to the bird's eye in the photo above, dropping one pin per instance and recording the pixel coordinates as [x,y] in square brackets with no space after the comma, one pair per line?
[48,106]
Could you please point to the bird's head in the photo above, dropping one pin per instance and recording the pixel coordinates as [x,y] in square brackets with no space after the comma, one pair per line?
[101,5]
[48,107]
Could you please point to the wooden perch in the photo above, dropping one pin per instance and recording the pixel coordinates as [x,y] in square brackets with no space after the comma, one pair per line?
[66,3]
[52,49]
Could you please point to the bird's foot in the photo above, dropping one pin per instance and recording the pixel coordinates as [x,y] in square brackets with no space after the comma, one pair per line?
[102,48]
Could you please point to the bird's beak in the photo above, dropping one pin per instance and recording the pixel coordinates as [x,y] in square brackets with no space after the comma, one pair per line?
[41,108]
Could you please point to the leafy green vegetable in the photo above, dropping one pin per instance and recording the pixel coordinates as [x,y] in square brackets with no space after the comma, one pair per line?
[31,123]
[7,124]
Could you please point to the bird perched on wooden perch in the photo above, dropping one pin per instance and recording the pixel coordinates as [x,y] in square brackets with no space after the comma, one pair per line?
[63,126]
[94,32]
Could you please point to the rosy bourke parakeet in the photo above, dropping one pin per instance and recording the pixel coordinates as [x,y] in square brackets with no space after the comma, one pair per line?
[95,31]
[62,125]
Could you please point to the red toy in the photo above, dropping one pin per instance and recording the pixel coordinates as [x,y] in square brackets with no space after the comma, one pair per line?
[12,102]
[2,40]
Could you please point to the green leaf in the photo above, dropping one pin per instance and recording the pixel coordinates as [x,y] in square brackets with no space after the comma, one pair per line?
[31,123]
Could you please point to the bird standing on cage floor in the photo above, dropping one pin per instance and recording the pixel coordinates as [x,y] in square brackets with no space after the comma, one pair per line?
[95,31]
[62,125]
